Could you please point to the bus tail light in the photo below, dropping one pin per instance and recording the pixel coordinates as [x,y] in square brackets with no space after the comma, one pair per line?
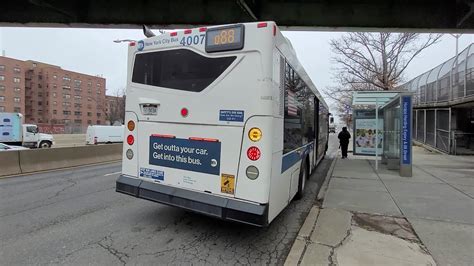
[253,153]
[131,125]
[202,29]
[262,25]
[130,140]
[255,134]
[252,172]
[184,112]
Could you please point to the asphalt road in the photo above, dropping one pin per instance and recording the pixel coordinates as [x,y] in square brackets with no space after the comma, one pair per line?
[75,217]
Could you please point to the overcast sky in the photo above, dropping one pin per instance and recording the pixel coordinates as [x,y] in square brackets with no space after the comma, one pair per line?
[92,51]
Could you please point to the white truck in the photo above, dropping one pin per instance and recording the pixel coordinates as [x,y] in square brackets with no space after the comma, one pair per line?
[104,134]
[14,132]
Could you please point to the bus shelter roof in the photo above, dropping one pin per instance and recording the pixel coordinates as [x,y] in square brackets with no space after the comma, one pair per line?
[373,97]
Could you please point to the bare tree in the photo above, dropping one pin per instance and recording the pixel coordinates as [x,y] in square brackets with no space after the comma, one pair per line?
[115,111]
[373,61]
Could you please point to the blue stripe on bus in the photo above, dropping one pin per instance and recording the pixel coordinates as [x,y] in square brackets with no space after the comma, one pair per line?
[291,158]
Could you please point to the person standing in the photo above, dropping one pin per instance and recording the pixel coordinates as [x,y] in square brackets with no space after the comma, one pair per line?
[344,137]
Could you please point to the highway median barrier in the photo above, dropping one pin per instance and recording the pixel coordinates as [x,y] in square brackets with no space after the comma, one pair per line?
[34,160]
[10,163]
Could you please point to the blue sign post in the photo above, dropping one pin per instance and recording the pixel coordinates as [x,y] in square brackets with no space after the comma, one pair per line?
[405,136]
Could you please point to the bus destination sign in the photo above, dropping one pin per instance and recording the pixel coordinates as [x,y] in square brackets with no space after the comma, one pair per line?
[225,38]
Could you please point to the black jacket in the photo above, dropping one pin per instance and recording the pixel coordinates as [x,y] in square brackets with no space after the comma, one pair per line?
[344,137]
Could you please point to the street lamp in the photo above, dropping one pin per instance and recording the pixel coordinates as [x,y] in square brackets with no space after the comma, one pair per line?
[124,40]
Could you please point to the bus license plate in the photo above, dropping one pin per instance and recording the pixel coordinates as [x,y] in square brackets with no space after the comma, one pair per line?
[149,110]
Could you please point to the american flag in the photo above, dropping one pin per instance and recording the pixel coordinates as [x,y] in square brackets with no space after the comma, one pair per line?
[291,103]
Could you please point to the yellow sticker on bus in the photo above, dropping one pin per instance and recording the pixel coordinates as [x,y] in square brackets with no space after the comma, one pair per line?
[227,184]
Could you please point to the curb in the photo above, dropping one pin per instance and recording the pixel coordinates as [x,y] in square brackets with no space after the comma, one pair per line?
[324,187]
[299,246]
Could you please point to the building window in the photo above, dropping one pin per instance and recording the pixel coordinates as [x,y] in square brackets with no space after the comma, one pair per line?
[98,122]
[16,99]
[66,87]
[77,82]
[55,77]
[40,103]
[2,87]
[98,91]
[2,67]
[16,89]
[78,121]
[54,86]
[40,94]
[2,78]
[54,94]
[66,112]
[98,114]
[89,122]
[2,108]
[17,109]
[16,80]
[16,70]
[89,114]
[68,79]
[2,98]
[34,64]
[78,105]
[77,97]
[55,103]
[66,96]
[77,113]
[66,104]
[55,112]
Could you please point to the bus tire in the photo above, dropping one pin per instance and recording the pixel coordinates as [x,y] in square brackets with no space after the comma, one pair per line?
[302,180]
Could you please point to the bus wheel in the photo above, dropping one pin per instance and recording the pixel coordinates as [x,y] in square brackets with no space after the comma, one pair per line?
[302,180]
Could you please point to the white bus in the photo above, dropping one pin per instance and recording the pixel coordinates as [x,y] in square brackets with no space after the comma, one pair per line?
[222,121]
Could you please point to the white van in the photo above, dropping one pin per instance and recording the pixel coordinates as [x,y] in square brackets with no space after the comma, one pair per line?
[104,134]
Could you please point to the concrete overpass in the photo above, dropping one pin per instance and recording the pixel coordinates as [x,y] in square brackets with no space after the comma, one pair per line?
[437,15]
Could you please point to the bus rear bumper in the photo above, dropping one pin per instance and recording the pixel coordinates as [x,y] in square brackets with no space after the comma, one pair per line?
[215,206]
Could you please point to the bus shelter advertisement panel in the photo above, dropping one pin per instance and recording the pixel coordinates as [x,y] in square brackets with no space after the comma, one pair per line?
[365,139]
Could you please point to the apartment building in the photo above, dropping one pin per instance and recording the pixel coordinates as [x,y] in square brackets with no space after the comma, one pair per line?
[12,85]
[51,95]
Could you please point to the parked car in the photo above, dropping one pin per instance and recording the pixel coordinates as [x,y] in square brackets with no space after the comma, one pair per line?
[5,147]
[104,134]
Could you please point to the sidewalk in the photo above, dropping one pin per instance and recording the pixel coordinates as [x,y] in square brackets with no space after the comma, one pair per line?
[375,218]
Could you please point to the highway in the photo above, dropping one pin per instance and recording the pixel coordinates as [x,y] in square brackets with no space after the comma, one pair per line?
[74,216]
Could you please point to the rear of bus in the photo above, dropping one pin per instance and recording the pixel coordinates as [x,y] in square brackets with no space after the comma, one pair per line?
[199,121]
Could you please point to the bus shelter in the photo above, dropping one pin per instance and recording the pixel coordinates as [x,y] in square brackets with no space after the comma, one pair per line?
[383,128]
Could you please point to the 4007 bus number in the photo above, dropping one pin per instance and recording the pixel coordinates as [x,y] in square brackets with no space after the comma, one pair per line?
[190,40]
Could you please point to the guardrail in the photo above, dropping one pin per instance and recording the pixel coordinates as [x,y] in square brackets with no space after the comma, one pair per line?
[28,161]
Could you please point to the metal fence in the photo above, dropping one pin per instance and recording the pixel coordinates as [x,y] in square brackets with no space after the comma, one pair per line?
[432,127]
[451,80]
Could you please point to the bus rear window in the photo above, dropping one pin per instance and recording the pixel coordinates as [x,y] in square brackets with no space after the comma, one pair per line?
[179,69]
